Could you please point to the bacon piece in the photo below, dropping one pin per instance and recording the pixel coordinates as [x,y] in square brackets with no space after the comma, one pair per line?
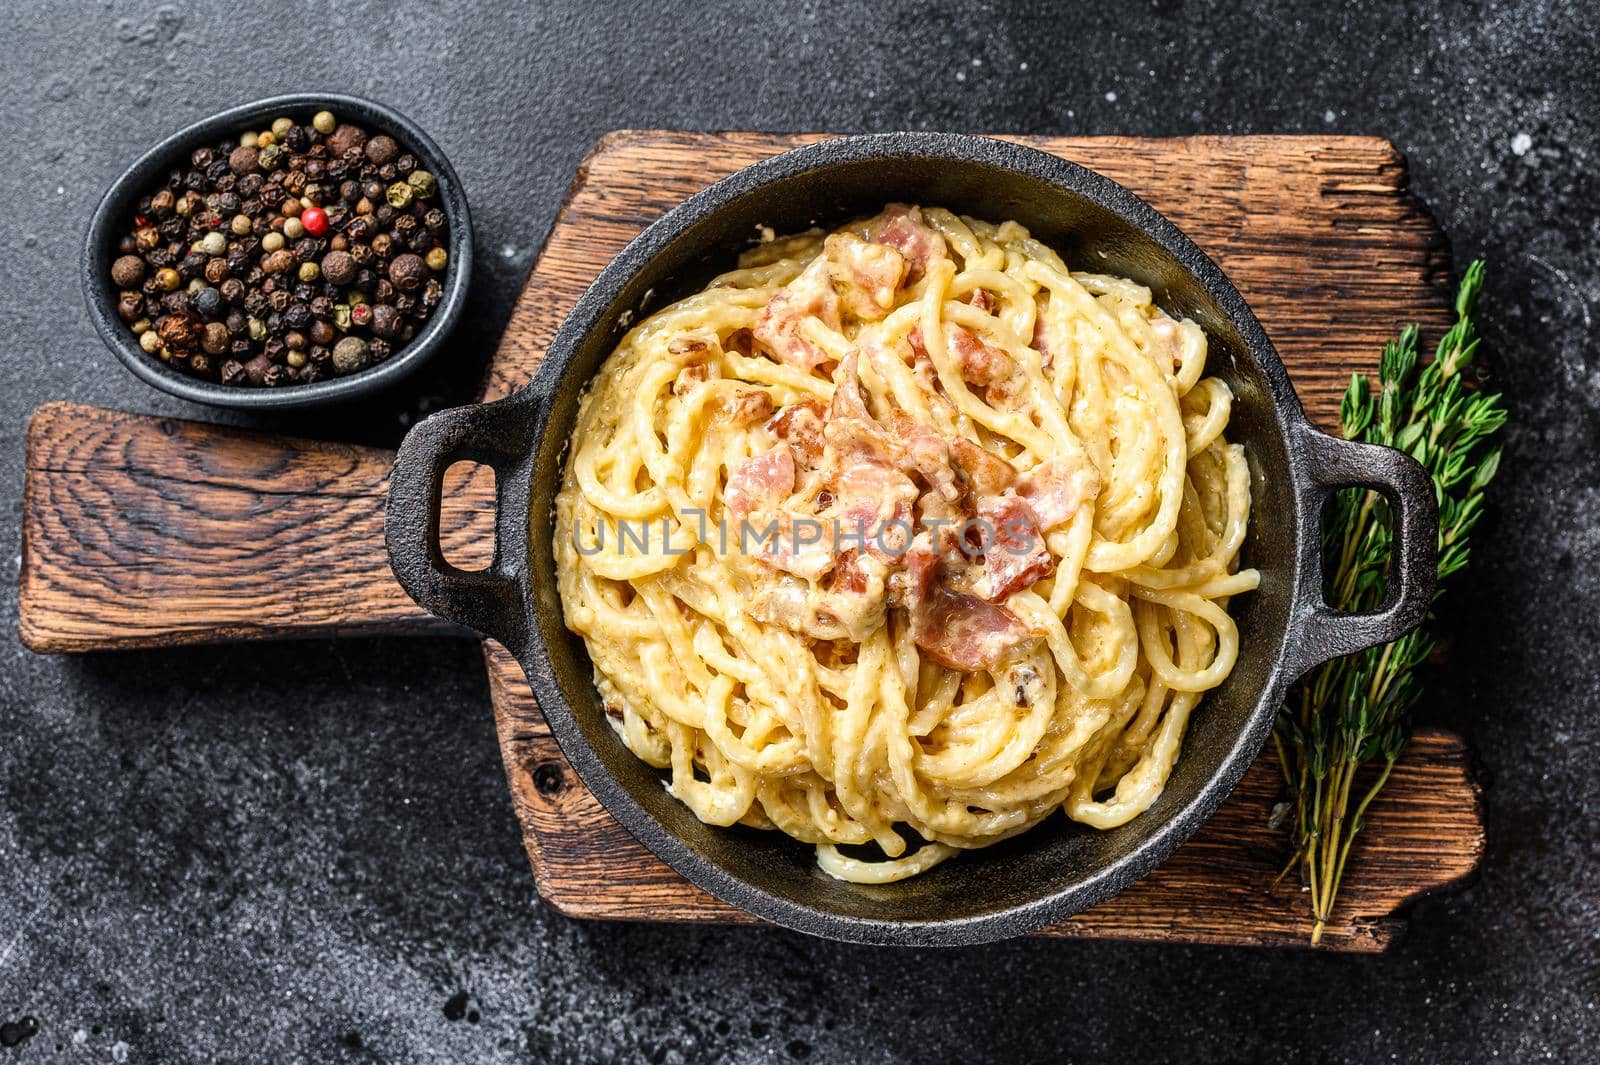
[982,299]
[760,480]
[689,377]
[884,533]
[985,473]
[1008,394]
[901,227]
[1040,341]
[748,407]
[919,350]
[1057,488]
[956,629]
[925,453]
[863,451]
[688,345]
[869,274]
[980,363]
[800,424]
[849,575]
[804,549]
[1015,556]
[810,295]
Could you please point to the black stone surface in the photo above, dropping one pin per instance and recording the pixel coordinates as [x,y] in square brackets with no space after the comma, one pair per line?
[305,852]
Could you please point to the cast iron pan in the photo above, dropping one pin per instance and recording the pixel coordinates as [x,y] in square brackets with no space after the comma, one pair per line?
[1058,868]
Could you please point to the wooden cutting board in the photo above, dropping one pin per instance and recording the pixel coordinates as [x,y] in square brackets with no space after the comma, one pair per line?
[141,532]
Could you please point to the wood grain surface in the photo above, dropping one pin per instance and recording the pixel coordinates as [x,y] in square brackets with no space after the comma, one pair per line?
[147,532]
[141,532]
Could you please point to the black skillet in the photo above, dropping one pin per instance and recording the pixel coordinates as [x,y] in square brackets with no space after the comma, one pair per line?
[1058,868]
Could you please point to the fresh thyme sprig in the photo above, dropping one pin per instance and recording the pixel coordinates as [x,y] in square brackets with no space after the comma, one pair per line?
[1350,718]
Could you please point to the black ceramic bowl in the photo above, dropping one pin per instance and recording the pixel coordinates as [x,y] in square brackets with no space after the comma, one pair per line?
[1059,867]
[116,210]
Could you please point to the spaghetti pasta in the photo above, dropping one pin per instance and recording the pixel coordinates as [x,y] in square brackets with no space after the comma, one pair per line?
[899,538]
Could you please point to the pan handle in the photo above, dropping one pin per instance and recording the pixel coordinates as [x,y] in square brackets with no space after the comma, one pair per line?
[1333,463]
[501,435]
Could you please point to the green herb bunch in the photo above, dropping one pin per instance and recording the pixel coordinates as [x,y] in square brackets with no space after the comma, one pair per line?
[1350,718]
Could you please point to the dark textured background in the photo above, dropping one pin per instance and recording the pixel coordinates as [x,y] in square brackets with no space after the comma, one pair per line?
[306,852]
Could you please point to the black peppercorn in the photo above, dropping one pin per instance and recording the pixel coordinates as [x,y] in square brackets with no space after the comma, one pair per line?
[349,355]
[346,138]
[208,302]
[385,320]
[214,339]
[339,268]
[180,332]
[193,273]
[127,272]
[408,272]
[243,159]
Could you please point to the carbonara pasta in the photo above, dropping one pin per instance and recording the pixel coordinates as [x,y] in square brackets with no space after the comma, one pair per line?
[900,538]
